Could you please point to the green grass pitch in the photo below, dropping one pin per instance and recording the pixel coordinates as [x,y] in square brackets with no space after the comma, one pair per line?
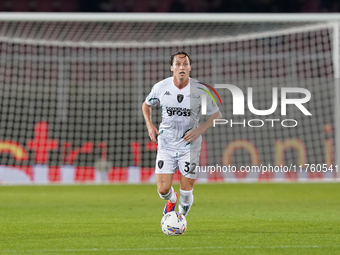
[125,219]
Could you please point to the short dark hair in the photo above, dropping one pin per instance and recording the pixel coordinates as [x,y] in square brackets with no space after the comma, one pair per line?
[179,53]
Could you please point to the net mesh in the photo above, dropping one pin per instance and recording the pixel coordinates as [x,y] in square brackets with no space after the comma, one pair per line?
[71,95]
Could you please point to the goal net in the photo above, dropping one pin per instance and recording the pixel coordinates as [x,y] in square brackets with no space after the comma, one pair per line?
[71,90]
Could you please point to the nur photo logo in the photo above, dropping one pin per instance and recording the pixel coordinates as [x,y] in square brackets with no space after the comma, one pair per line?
[238,107]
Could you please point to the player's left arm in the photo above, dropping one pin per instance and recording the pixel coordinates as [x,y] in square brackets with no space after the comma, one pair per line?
[194,134]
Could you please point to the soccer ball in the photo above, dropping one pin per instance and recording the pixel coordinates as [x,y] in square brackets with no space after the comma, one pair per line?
[173,224]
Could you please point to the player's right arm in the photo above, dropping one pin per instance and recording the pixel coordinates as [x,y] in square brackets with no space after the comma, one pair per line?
[152,99]
[147,110]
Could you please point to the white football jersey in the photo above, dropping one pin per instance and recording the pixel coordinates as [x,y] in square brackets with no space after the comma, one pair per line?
[181,110]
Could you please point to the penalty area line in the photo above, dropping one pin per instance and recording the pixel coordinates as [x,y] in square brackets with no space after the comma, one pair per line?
[173,248]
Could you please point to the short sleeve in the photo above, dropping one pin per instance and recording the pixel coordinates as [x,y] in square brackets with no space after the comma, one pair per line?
[153,98]
[211,106]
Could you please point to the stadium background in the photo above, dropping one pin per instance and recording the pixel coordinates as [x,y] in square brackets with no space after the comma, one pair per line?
[71,93]
[241,6]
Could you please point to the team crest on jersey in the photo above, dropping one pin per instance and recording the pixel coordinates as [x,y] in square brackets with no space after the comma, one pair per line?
[160,164]
[180,98]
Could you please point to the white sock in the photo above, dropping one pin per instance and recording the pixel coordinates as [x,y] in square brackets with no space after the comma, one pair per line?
[171,196]
[185,201]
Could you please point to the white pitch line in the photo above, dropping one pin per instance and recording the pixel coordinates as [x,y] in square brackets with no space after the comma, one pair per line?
[174,248]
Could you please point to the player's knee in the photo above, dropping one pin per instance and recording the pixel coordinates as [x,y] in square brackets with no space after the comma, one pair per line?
[163,190]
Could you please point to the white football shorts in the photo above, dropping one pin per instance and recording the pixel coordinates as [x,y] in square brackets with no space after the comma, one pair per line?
[168,161]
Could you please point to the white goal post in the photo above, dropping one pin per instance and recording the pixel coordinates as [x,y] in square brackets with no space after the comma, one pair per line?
[80,79]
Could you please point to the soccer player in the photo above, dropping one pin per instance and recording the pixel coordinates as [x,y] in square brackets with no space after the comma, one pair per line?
[179,135]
